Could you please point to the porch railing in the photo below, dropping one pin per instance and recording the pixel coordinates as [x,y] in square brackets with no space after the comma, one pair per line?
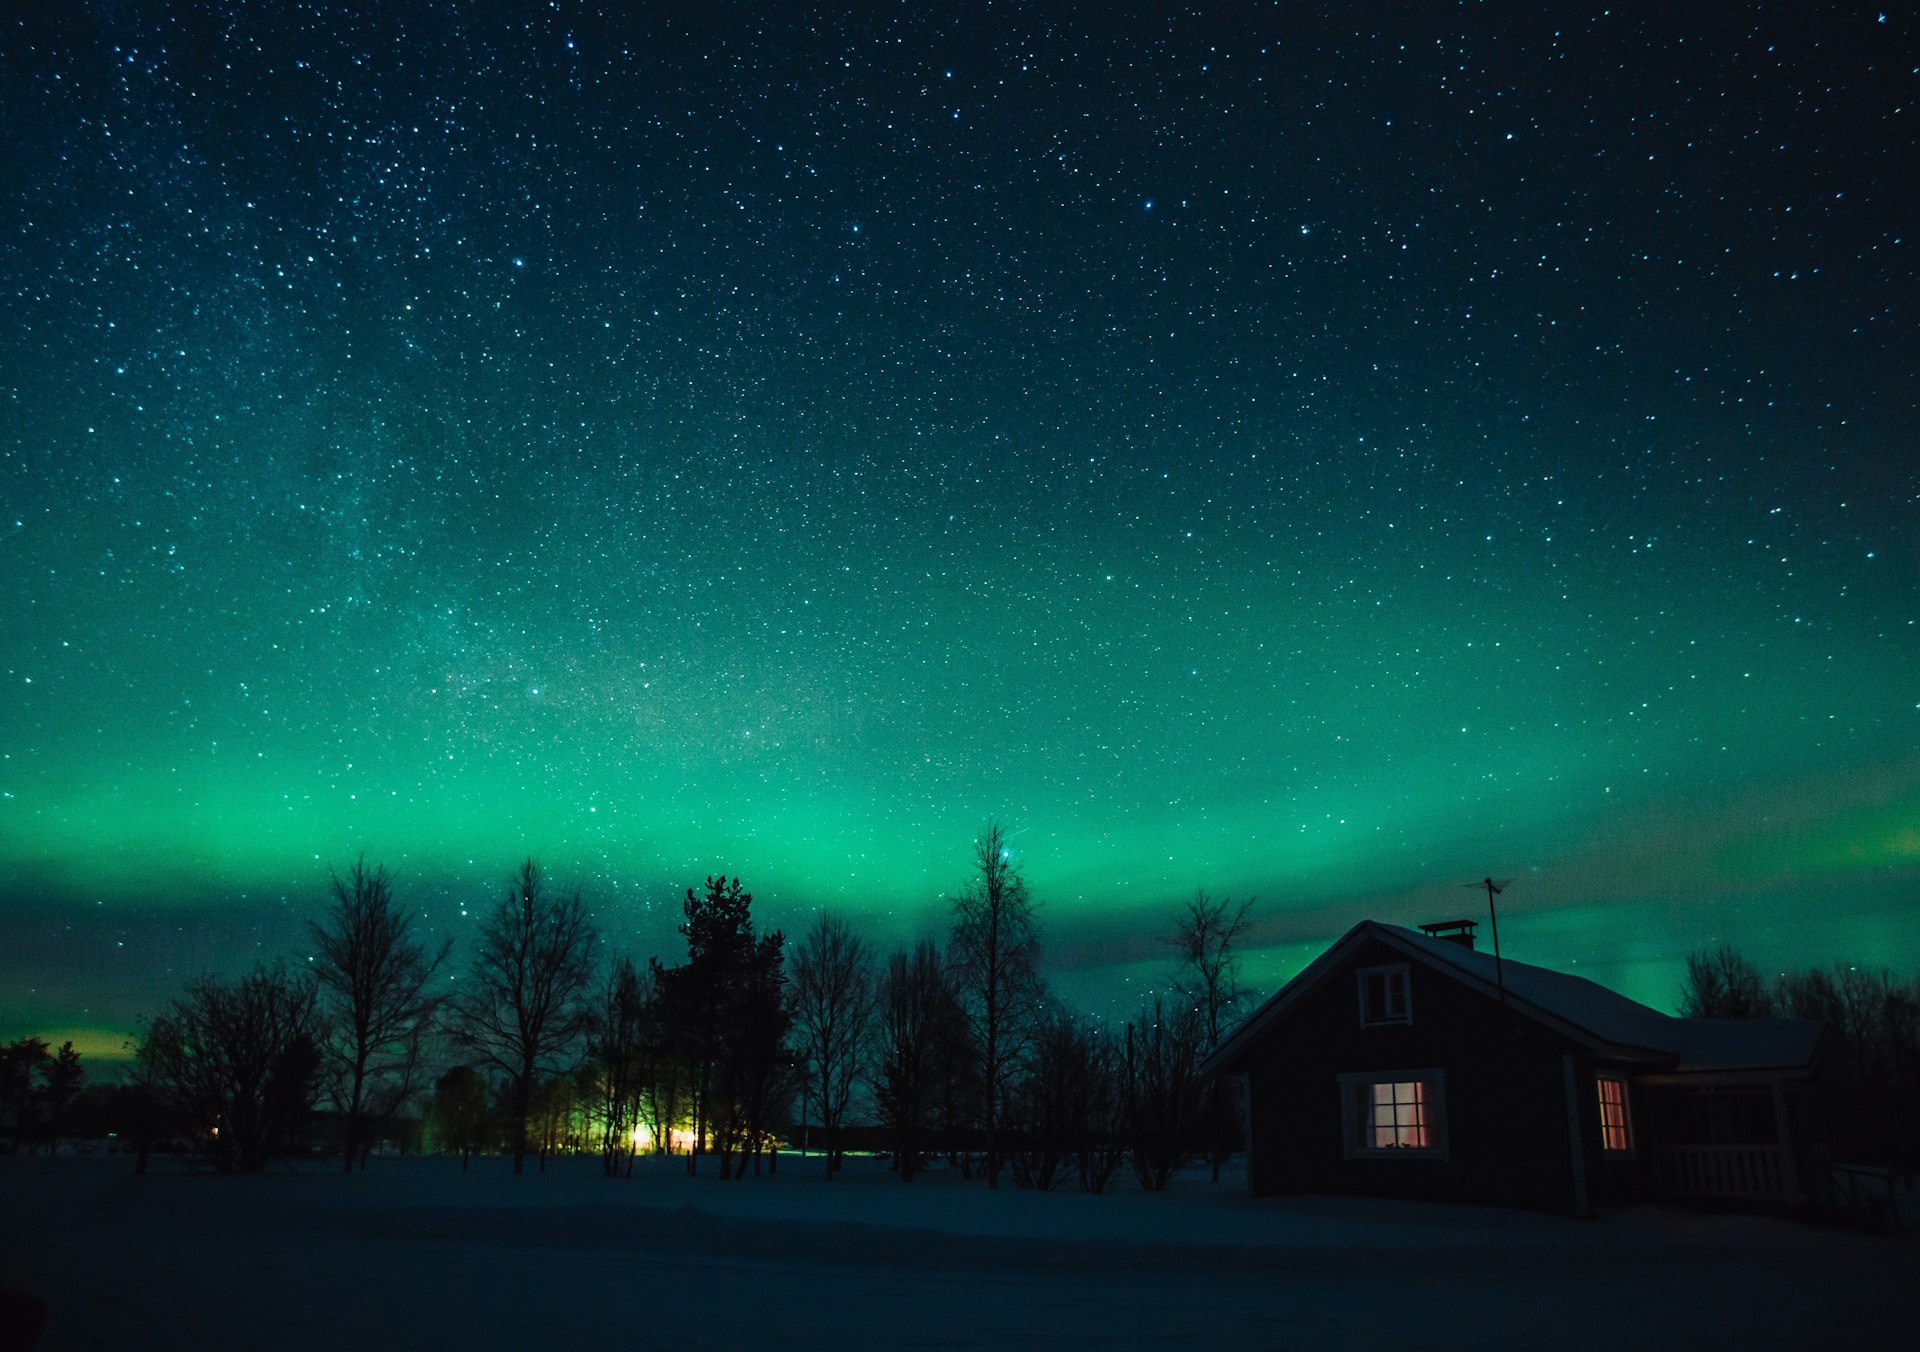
[1746,1173]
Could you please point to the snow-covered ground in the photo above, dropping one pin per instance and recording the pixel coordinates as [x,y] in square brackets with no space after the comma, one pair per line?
[415,1254]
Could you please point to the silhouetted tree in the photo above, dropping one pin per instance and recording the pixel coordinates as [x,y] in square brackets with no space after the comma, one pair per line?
[1206,941]
[922,1050]
[1096,1104]
[523,1006]
[1047,1105]
[1163,1096]
[1874,1019]
[556,1101]
[726,1010]
[21,1066]
[665,1091]
[623,1051]
[833,1001]
[995,955]
[761,1074]
[459,1111]
[63,1075]
[237,1062]
[376,977]
[718,928]
[147,1113]
[1722,984]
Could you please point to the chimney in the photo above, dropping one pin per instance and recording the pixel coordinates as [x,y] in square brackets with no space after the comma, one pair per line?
[1453,931]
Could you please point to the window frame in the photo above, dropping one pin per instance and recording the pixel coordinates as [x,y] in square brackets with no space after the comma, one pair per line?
[1386,971]
[1356,1126]
[1601,1079]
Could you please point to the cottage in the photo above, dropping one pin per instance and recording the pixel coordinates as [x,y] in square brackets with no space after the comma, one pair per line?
[1411,1064]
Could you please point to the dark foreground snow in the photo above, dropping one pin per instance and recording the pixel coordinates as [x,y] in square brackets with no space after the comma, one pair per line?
[414,1254]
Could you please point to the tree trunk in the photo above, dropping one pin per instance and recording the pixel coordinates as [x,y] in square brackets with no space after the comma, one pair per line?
[522,1110]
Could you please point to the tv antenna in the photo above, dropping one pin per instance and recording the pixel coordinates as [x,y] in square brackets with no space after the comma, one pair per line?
[1494,889]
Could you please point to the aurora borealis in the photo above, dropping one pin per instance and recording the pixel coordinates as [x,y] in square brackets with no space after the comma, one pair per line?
[1328,453]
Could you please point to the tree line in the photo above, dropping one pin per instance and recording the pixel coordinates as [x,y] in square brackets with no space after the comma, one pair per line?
[954,1052]
[38,1089]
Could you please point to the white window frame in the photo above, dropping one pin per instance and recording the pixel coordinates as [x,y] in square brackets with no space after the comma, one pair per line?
[1387,972]
[1356,1098]
[1601,1079]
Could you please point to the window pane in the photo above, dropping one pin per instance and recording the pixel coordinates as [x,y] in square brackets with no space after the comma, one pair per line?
[1394,1115]
[1616,1133]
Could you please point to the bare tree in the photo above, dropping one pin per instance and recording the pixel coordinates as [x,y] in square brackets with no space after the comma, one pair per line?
[1163,1095]
[624,1054]
[1722,984]
[1205,938]
[833,1002]
[1048,1111]
[922,1045]
[523,1010]
[995,955]
[667,1087]
[237,1062]
[1874,1020]
[556,1101]
[376,976]
[1096,1108]
[1072,1107]
[459,1111]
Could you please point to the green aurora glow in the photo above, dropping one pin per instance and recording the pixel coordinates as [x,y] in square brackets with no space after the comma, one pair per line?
[763,495]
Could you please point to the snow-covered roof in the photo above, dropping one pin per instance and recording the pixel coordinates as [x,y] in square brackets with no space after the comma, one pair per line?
[1604,1020]
[1747,1044]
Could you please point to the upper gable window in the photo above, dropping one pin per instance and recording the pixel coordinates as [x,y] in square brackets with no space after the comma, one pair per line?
[1383,996]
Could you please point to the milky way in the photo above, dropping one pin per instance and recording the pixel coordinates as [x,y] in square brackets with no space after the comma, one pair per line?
[1316,454]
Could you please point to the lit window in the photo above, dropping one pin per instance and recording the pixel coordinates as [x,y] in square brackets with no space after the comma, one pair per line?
[1383,996]
[1616,1127]
[1400,1114]
[1397,1116]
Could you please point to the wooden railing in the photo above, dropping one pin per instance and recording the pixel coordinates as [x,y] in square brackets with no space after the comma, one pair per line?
[1748,1173]
[1864,1195]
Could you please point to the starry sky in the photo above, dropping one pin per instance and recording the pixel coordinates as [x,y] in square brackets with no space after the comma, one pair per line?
[1328,453]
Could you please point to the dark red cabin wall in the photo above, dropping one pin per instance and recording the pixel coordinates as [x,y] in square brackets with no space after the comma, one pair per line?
[1506,1096]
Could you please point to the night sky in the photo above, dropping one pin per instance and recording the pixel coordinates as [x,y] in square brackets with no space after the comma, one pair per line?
[1330,453]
